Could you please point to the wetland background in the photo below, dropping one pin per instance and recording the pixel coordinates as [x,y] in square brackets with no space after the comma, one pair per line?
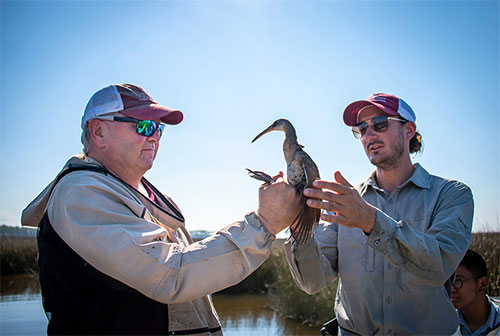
[267,301]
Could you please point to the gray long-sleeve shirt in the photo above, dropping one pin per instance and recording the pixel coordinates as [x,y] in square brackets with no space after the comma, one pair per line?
[392,280]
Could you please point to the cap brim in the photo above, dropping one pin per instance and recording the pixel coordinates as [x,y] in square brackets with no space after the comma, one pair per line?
[352,110]
[153,111]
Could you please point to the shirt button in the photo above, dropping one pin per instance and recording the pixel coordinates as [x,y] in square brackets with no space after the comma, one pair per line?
[389,300]
[389,331]
[389,266]
[377,242]
[390,200]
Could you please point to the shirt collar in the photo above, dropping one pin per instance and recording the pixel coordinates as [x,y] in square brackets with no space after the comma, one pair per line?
[494,317]
[492,322]
[420,178]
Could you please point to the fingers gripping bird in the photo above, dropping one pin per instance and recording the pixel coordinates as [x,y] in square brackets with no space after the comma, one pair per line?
[301,173]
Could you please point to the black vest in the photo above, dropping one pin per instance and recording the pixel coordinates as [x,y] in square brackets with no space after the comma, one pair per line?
[80,300]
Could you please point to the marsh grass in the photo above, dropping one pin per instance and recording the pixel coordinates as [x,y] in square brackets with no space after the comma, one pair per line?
[274,278]
[292,302]
[18,255]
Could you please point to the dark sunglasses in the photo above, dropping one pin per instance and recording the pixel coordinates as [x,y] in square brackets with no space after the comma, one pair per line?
[143,127]
[379,124]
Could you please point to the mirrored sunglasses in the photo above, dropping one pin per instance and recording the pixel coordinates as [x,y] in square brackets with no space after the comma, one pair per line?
[143,127]
[379,124]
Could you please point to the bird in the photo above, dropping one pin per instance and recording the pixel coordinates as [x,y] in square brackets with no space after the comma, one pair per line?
[301,173]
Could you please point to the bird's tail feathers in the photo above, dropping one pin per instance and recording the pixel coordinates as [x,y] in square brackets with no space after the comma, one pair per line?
[307,220]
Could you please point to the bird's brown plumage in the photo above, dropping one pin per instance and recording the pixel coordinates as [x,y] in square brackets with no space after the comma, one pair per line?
[301,173]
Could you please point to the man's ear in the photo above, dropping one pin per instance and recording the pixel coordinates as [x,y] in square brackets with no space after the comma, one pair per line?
[483,284]
[97,130]
[410,129]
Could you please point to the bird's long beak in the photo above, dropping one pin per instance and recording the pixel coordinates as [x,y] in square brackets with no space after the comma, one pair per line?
[267,130]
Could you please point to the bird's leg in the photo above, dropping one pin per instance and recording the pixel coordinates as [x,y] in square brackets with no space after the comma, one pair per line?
[261,176]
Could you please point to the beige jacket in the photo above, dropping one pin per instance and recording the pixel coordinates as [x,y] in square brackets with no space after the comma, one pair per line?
[122,234]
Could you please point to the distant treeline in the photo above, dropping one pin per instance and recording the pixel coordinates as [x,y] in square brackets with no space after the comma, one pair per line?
[15,231]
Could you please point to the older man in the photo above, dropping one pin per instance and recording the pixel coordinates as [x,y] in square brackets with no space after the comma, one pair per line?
[395,239]
[114,254]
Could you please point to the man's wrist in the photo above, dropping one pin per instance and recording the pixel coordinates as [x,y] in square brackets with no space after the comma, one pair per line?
[264,223]
[368,225]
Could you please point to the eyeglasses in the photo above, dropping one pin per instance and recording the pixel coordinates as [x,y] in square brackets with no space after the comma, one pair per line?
[460,282]
[144,127]
[379,124]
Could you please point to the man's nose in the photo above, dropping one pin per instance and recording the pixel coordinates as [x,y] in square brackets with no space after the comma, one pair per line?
[155,136]
[370,133]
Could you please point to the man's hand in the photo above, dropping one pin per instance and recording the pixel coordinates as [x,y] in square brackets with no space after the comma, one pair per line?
[350,208]
[278,204]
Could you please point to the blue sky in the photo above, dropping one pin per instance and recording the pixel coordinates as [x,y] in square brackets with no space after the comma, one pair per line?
[233,67]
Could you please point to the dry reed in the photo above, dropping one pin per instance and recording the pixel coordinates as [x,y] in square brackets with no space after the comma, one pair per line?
[18,255]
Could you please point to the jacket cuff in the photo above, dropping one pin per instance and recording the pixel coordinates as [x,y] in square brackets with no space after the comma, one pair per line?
[252,220]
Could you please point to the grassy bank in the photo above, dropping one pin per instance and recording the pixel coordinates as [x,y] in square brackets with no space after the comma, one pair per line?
[19,255]
[292,302]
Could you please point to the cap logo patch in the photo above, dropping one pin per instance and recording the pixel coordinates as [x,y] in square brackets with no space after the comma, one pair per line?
[142,96]
[378,98]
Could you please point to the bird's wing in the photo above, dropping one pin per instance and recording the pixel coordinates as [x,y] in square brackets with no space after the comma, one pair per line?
[311,171]
[308,217]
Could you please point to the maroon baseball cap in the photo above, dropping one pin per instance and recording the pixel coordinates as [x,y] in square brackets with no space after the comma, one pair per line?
[130,100]
[388,103]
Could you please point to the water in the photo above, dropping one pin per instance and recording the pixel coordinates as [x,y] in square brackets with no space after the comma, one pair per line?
[21,312]
[251,314]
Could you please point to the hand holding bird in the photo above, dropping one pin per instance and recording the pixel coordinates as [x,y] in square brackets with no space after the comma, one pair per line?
[279,204]
[344,202]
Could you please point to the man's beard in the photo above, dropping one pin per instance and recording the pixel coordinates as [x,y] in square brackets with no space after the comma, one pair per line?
[392,160]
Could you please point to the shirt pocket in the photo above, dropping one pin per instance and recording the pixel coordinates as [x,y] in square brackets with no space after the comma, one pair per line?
[356,259]
[418,223]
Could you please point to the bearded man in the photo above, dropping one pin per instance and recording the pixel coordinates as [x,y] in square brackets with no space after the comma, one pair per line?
[395,240]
